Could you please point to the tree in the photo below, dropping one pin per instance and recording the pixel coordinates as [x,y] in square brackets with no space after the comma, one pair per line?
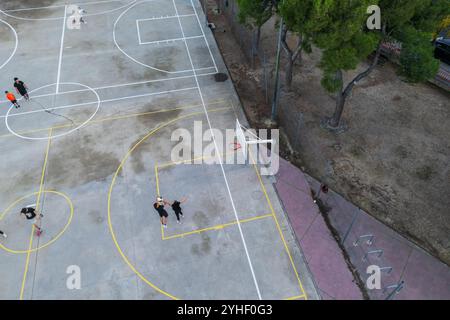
[412,22]
[303,18]
[443,29]
[434,15]
[255,13]
[345,44]
[417,56]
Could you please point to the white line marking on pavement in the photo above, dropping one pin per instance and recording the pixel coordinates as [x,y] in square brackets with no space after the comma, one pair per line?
[203,32]
[102,101]
[123,85]
[61,49]
[16,45]
[220,161]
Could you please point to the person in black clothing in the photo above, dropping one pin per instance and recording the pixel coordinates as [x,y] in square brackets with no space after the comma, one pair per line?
[159,206]
[33,216]
[176,206]
[3,234]
[21,88]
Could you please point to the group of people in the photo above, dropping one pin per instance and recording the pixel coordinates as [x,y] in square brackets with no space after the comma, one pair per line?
[33,217]
[176,207]
[21,88]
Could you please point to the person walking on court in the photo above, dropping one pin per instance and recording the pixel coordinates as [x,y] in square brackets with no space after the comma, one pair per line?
[12,99]
[176,206]
[159,206]
[3,234]
[33,216]
[21,88]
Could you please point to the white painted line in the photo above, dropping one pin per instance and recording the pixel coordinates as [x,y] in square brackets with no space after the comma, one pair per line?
[61,49]
[170,40]
[130,57]
[60,6]
[58,18]
[138,32]
[51,109]
[122,85]
[166,17]
[15,46]
[70,106]
[149,94]
[206,40]
[220,161]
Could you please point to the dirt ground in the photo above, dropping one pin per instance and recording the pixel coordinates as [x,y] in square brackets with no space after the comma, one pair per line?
[392,162]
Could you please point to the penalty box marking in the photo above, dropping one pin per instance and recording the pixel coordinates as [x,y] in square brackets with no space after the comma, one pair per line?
[111,188]
[198,231]
[138,28]
[138,21]
[303,295]
[177,15]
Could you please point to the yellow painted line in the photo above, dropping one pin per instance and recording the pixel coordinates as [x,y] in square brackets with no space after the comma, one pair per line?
[297,297]
[278,225]
[44,168]
[27,263]
[217,227]
[113,235]
[115,118]
[41,184]
[158,194]
[157,180]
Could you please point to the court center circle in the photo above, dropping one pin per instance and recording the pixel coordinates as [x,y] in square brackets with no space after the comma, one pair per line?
[87,88]
[6,12]
[15,45]
[54,238]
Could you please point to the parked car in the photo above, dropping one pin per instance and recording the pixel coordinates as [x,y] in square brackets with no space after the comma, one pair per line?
[442,50]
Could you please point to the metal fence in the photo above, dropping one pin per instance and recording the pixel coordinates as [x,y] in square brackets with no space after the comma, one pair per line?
[246,37]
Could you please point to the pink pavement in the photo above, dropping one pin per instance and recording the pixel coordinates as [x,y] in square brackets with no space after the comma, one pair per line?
[424,276]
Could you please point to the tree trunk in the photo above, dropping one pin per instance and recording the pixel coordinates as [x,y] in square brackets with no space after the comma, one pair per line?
[340,102]
[343,94]
[258,38]
[292,56]
[289,73]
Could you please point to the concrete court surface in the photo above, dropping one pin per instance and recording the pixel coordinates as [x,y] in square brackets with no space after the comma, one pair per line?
[92,149]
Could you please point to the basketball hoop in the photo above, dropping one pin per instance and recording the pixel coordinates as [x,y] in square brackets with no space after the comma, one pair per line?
[236,146]
[247,138]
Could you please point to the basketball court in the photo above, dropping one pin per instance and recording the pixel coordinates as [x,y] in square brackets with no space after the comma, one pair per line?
[92,150]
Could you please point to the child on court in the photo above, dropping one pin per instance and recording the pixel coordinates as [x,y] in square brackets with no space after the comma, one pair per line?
[176,206]
[159,206]
[12,99]
[33,216]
